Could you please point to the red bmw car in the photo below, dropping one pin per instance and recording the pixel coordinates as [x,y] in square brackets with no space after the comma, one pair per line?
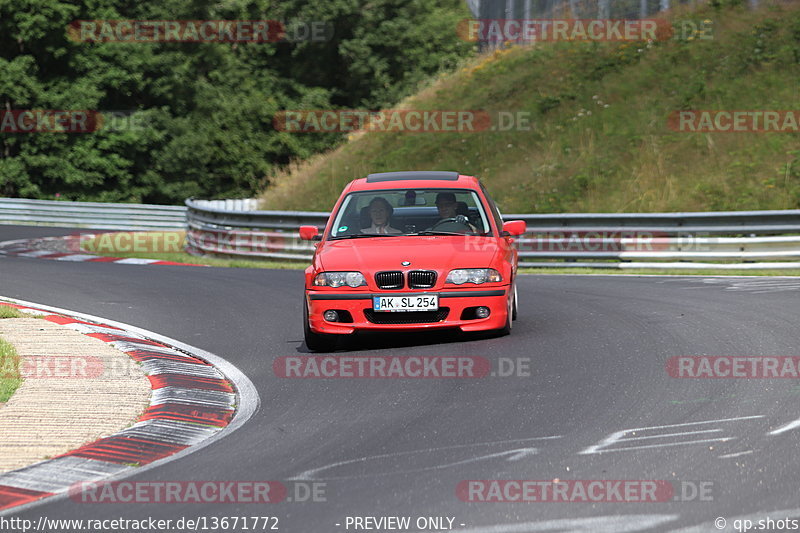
[406,251]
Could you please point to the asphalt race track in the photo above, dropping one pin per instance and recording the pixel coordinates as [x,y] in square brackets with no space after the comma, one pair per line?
[385,447]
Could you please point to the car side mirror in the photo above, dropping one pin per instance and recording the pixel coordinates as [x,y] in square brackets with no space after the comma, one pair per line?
[514,228]
[310,233]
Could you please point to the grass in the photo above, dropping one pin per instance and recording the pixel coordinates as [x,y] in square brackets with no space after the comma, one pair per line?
[6,311]
[600,140]
[10,378]
[183,257]
[167,246]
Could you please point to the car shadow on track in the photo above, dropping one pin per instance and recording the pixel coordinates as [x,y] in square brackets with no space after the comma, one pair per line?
[390,340]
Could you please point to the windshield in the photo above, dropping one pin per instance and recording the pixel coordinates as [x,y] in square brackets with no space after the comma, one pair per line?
[403,212]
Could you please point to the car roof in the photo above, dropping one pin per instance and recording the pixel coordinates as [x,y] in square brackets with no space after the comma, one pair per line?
[412,180]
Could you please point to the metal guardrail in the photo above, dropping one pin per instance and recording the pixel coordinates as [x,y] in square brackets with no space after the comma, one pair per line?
[92,215]
[235,204]
[741,239]
[719,223]
[573,9]
[577,9]
[249,234]
[719,240]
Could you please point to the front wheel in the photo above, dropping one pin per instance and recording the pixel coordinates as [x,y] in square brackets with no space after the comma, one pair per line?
[317,342]
[516,304]
[510,312]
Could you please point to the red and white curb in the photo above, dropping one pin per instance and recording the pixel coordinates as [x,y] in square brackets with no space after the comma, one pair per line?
[197,398]
[53,248]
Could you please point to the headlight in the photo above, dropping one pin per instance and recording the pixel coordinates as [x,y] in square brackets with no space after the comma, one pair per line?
[474,275]
[339,279]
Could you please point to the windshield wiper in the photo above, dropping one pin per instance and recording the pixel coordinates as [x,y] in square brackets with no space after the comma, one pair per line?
[432,232]
[364,235]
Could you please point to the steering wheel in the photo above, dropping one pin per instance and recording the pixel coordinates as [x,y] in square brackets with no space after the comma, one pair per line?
[460,220]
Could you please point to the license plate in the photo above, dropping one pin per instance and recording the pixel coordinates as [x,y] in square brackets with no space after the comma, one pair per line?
[408,302]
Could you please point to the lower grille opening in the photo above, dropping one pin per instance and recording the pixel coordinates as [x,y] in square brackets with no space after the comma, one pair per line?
[409,317]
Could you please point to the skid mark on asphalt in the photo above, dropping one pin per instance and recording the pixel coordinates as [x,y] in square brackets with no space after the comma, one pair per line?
[510,455]
[786,427]
[737,454]
[619,440]
[756,286]
[634,439]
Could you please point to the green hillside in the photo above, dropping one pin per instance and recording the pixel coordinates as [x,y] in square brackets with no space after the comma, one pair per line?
[600,140]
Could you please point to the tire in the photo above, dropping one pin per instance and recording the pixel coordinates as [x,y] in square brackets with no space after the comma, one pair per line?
[516,304]
[317,342]
[505,330]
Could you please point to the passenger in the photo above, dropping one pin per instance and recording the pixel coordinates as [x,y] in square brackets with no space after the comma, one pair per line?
[380,211]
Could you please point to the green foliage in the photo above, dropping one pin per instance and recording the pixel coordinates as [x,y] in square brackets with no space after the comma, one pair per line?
[6,311]
[203,111]
[722,4]
[601,139]
[10,378]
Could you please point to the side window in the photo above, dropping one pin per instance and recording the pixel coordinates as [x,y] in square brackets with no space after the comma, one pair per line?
[498,219]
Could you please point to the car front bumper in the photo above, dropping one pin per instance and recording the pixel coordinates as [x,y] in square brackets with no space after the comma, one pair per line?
[456,302]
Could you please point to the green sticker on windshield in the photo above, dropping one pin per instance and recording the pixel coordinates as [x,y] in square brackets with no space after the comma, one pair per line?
[343,228]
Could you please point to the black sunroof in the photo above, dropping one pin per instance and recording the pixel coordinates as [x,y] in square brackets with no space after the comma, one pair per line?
[412,175]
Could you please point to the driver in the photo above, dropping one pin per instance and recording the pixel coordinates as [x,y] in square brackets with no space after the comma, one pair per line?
[448,209]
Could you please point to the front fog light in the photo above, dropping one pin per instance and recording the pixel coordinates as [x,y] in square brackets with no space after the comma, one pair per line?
[482,312]
[331,316]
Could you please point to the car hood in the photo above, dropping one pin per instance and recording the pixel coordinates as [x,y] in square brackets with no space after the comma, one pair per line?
[424,252]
